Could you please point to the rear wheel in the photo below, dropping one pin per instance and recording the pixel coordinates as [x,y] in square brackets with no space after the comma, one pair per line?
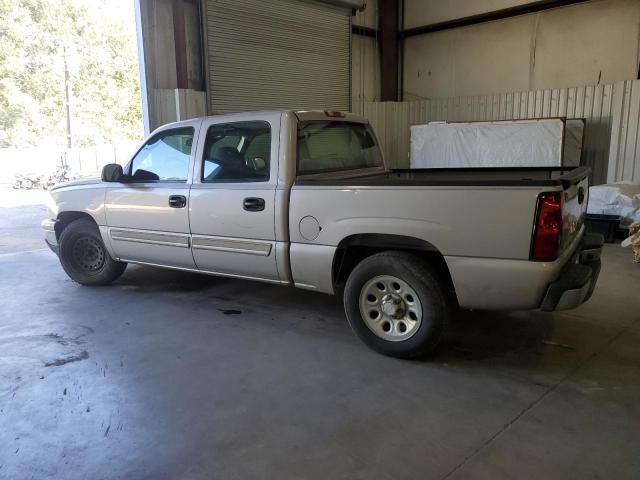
[84,256]
[395,303]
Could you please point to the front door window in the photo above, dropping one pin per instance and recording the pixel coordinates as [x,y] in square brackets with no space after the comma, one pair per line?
[164,158]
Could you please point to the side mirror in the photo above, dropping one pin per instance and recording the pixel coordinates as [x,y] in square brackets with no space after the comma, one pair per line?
[112,173]
[141,175]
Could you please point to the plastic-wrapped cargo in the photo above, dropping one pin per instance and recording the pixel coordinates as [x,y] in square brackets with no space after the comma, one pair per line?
[573,141]
[621,199]
[514,143]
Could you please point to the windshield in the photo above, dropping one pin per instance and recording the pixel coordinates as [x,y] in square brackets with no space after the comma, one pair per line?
[329,146]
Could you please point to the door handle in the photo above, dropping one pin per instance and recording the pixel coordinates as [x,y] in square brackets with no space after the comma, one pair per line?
[253,204]
[177,201]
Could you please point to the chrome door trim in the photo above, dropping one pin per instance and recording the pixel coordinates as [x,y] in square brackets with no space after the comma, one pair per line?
[207,272]
[170,239]
[232,245]
[197,242]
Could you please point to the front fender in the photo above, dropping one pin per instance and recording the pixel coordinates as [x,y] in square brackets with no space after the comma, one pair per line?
[87,199]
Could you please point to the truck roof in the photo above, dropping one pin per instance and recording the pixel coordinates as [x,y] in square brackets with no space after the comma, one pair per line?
[301,114]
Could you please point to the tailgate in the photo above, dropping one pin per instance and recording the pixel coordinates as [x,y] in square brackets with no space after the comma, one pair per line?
[574,203]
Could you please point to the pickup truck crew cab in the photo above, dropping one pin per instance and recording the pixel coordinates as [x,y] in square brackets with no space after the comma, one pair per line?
[304,198]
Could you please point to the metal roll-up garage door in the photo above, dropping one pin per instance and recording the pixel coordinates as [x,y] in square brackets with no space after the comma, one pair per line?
[269,54]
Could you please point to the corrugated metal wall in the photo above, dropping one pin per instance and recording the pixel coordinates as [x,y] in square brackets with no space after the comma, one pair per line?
[612,114]
[624,154]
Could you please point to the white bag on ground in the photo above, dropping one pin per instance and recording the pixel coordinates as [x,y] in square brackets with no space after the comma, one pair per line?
[621,199]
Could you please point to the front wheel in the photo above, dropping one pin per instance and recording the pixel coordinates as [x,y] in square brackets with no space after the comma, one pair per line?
[84,257]
[395,304]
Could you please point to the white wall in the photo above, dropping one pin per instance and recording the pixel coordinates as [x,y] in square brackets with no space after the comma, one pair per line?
[83,161]
[612,112]
[426,12]
[365,71]
[583,44]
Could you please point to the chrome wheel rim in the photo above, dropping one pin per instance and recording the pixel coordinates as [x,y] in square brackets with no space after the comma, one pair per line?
[88,254]
[390,308]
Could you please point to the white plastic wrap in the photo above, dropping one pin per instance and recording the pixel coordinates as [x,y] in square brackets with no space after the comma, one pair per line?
[573,135]
[521,143]
[620,199]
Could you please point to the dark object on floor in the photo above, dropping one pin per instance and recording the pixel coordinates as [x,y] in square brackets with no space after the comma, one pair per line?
[606,225]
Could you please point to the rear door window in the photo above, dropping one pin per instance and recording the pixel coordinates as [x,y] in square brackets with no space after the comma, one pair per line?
[237,152]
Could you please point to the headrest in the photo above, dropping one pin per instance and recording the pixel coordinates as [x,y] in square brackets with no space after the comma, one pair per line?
[228,157]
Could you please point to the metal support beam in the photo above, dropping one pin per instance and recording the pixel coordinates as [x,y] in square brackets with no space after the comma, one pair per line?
[365,31]
[389,36]
[144,97]
[180,40]
[527,8]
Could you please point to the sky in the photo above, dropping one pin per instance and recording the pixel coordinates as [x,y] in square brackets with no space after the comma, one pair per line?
[121,10]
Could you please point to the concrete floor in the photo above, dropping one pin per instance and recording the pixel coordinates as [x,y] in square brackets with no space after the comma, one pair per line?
[156,377]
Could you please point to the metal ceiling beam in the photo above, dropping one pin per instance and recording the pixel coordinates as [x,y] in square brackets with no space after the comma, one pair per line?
[347,4]
[365,31]
[527,8]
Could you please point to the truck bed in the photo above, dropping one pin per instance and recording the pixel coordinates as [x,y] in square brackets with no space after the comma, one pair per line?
[516,176]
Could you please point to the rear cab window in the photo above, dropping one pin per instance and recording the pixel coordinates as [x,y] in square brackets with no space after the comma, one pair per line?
[326,146]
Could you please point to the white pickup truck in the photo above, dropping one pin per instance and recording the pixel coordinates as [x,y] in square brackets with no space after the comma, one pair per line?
[304,198]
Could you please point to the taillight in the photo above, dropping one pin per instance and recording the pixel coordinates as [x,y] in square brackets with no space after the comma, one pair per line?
[334,114]
[548,227]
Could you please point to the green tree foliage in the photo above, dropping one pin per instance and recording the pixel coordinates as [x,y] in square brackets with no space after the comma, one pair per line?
[35,38]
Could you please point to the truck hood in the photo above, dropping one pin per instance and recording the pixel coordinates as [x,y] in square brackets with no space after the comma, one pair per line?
[78,182]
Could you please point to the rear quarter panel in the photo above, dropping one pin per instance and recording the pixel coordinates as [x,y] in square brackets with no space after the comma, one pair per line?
[489,222]
[484,234]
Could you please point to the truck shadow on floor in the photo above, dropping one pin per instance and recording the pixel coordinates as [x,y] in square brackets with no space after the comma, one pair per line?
[491,334]
[151,279]
[470,336]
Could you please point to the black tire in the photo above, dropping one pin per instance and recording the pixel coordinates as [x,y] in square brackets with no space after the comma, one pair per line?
[420,279]
[84,256]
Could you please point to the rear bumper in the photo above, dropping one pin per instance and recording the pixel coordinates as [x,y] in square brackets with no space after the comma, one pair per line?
[578,278]
[49,229]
